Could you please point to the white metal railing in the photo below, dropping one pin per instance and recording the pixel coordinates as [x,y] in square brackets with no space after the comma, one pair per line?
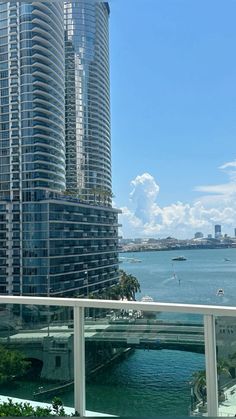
[209,312]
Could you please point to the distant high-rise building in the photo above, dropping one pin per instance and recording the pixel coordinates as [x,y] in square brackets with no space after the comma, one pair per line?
[198,235]
[217,231]
[51,243]
[88,142]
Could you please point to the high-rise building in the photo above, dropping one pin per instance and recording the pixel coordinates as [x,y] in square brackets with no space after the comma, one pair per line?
[217,231]
[32,99]
[50,244]
[198,235]
[88,143]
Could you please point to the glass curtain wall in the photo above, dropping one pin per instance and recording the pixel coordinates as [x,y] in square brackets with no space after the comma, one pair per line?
[88,152]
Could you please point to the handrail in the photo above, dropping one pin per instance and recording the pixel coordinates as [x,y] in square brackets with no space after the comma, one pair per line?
[208,311]
[119,305]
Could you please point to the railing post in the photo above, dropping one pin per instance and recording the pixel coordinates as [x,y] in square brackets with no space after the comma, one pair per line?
[79,361]
[211,365]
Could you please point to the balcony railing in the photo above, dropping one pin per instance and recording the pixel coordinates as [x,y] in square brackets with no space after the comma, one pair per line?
[209,313]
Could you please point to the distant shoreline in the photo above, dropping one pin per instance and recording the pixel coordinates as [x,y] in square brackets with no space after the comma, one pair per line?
[197,247]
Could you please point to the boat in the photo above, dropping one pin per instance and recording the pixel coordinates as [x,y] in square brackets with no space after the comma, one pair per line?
[226,260]
[147,299]
[220,292]
[179,258]
[129,260]
[148,314]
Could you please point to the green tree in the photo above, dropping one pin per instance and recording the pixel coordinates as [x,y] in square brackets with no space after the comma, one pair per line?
[12,364]
[199,380]
[129,286]
[232,364]
[199,385]
[223,368]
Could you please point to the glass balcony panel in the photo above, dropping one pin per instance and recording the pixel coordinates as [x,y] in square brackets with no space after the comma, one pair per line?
[143,363]
[226,364]
[42,338]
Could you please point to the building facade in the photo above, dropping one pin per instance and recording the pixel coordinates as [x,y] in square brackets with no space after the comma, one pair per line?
[88,142]
[217,231]
[50,244]
[32,99]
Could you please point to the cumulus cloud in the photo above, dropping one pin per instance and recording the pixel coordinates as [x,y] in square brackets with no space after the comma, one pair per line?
[143,196]
[144,217]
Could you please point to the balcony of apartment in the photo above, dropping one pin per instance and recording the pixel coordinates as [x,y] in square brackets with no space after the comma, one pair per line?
[68,341]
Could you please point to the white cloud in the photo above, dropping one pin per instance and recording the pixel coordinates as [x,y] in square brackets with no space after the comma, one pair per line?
[223,189]
[229,164]
[146,218]
[143,196]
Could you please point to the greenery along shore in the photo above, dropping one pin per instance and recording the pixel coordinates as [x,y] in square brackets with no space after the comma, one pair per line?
[127,287]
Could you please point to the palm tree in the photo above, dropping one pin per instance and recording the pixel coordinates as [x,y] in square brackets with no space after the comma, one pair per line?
[199,380]
[223,368]
[199,385]
[232,363]
[129,286]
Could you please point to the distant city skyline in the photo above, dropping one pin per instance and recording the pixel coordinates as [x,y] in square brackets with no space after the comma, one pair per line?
[173,116]
[196,235]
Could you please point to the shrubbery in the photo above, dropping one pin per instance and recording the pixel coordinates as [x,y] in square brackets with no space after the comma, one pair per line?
[12,364]
[25,409]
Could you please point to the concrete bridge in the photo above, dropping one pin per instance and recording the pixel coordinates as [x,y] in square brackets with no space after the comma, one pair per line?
[151,334]
[53,346]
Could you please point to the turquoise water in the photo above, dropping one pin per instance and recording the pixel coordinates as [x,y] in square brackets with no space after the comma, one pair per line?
[200,275]
[152,383]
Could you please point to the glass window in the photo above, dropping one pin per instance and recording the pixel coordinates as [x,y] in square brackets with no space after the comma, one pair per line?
[3,74]
[4,40]
[3,83]
[4,66]
[3,48]
[3,57]
[3,31]
[4,92]
[3,23]
[26,9]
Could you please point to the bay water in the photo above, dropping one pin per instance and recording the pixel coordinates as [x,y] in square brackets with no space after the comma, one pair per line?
[153,383]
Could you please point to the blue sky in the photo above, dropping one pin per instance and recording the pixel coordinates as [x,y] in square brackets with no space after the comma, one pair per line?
[173,98]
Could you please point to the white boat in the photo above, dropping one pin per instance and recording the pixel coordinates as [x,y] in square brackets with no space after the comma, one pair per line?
[220,292]
[133,260]
[148,314]
[129,260]
[179,258]
[147,299]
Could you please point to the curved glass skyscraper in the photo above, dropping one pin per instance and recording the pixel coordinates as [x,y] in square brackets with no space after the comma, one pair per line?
[88,149]
[32,98]
[50,243]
